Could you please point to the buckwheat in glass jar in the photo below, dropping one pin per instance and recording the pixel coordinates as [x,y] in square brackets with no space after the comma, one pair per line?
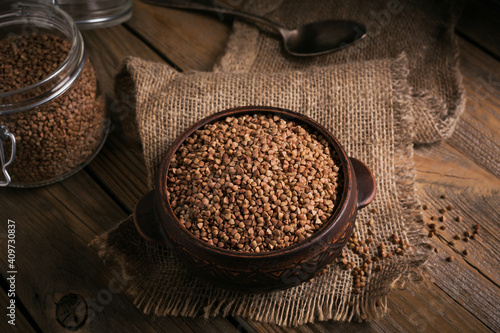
[253,183]
[52,117]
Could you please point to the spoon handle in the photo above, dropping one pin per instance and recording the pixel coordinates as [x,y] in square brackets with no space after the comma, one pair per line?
[209,7]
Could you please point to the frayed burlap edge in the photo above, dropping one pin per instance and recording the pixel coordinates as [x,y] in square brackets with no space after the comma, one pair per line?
[227,303]
[441,124]
[406,178]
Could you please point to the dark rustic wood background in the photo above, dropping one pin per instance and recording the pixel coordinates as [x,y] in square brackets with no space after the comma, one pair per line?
[57,269]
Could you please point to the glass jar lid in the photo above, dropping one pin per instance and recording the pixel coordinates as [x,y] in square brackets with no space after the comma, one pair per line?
[25,17]
[90,14]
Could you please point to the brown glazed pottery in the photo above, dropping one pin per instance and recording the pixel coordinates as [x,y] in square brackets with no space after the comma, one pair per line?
[262,271]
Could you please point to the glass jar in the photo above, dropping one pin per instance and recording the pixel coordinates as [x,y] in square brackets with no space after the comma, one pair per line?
[53,119]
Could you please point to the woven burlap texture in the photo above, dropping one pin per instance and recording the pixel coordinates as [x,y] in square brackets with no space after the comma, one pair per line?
[422,29]
[365,105]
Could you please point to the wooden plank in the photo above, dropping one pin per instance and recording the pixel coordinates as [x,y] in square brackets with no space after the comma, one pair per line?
[21,324]
[325,326]
[58,272]
[472,280]
[126,178]
[192,41]
[421,307]
[447,166]
[108,48]
[120,169]
[479,22]
[46,225]
[477,133]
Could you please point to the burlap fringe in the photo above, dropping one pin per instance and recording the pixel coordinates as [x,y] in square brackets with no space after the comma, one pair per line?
[223,302]
[442,125]
[405,179]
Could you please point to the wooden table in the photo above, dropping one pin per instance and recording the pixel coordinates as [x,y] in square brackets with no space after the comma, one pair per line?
[56,268]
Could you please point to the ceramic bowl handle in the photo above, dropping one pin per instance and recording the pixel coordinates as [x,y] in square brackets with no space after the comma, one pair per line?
[366,183]
[147,223]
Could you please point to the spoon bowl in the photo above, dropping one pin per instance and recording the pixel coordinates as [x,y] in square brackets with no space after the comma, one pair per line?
[309,40]
[321,37]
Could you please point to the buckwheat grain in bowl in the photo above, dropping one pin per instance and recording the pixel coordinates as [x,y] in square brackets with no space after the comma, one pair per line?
[253,183]
[255,199]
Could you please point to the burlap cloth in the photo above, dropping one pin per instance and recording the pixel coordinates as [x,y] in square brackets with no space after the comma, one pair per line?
[377,103]
[422,29]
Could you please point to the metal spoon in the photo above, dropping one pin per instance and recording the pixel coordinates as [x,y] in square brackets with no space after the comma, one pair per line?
[309,40]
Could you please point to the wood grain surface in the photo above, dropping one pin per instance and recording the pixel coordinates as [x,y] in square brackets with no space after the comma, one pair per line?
[63,286]
[21,322]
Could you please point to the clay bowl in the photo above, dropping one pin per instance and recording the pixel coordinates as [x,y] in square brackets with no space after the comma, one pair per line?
[263,271]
